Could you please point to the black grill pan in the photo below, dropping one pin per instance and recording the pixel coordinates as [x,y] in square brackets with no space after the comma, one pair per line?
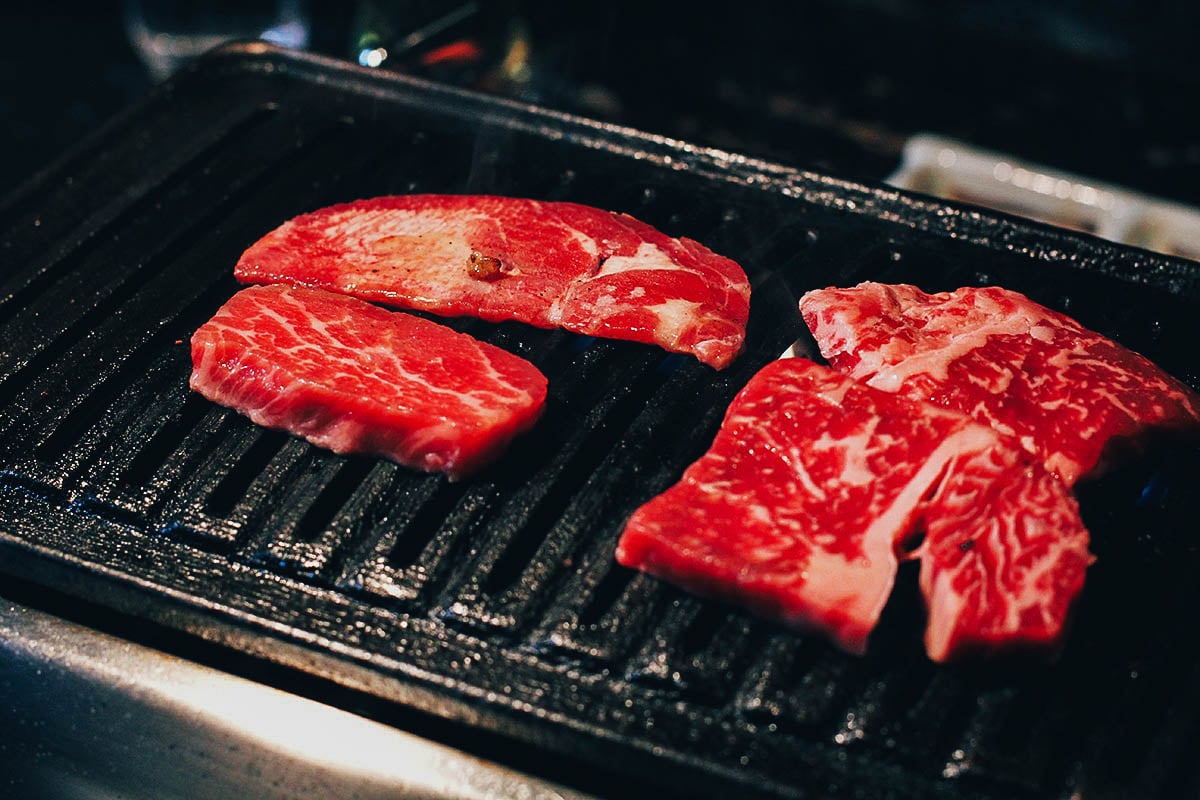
[495,602]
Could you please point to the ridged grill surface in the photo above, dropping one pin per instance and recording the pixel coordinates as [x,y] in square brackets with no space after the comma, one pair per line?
[496,601]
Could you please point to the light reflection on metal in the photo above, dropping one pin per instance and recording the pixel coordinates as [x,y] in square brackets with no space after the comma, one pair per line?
[957,171]
[91,716]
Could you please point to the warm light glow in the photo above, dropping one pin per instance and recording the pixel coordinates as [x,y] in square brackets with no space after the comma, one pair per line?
[311,732]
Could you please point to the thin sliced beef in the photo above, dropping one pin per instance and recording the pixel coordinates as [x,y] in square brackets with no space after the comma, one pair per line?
[355,378]
[1004,557]
[499,258]
[816,482]
[1066,393]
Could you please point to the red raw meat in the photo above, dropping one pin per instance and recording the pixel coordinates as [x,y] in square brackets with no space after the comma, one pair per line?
[1004,556]
[1064,392]
[355,378]
[816,482]
[500,258]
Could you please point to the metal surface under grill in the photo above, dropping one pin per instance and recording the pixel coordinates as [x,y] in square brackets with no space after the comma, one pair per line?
[495,602]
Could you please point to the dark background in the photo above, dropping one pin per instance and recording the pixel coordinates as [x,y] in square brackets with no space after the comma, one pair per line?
[60,75]
[1105,88]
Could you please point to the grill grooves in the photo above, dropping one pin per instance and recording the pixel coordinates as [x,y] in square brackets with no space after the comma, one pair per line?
[611,415]
[185,508]
[600,601]
[148,301]
[407,577]
[933,726]
[249,466]
[796,687]
[214,430]
[366,503]
[528,516]
[304,545]
[367,568]
[146,190]
[607,629]
[419,533]
[679,655]
[81,415]
[137,414]
[166,439]
[330,499]
[235,184]
[409,555]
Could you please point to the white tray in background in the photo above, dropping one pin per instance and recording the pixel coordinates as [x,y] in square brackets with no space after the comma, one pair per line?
[954,170]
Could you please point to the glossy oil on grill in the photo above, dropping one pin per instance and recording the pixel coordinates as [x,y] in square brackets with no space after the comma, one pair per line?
[496,602]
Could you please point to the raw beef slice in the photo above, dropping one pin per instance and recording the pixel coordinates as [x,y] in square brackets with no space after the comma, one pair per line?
[1065,392]
[1004,556]
[816,482]
[499,258]
[355,378]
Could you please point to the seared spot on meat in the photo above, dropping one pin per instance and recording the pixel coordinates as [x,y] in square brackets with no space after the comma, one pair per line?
[547,264]
[484,268]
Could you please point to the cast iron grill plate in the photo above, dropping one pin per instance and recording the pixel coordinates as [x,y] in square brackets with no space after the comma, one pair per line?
[495,602]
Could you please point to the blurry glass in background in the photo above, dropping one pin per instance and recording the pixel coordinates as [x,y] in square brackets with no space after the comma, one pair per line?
[167,34]
[483,45]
